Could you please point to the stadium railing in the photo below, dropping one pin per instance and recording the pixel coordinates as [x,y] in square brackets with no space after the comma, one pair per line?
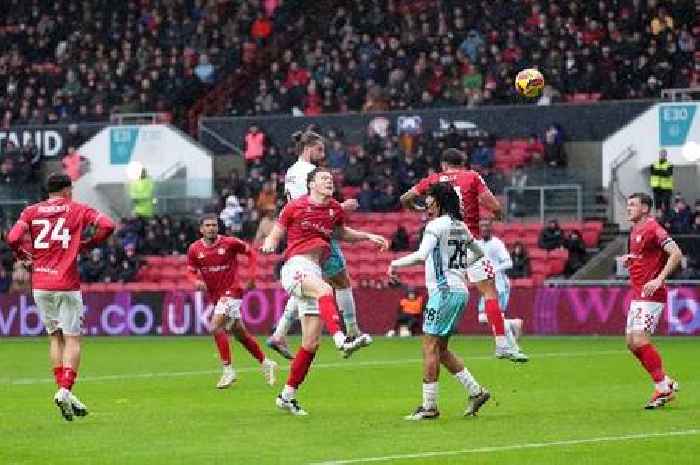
[559,201]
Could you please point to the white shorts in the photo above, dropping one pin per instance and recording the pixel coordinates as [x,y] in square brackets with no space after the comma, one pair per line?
[229,307]
[292,274]
[481,270]
[61,310]
[643,316]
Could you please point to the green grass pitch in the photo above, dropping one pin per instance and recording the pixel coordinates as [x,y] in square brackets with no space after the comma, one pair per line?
[152,401]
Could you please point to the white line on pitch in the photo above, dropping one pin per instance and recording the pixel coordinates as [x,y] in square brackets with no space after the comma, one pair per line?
[347,365]
[531,445]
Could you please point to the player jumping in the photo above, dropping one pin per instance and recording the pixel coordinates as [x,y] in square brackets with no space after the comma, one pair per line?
[55,227]
[311,149]
[473,193]
[652,257]
[495,250]
[445,250]
[213,265]
[309,222]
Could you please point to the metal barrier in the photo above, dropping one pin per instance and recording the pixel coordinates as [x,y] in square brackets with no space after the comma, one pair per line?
[687,94]
[543,202]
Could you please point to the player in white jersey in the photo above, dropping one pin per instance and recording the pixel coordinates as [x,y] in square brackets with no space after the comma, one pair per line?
[311,149]
[448,249]
[495,250]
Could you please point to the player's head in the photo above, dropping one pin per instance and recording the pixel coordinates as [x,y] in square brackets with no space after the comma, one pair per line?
[486,228]
[452,158]
[639,206]
[209,226]
[310,145]
[59,185]
[320,181]
[442,199]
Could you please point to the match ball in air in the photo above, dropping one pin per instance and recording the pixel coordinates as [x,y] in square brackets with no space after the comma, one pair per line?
[529,82]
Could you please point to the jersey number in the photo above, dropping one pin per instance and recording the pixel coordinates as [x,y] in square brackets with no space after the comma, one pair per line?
[458,259]
[58,233]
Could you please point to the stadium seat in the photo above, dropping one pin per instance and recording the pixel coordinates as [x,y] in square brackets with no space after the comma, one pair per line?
[539,267]
[537,254]
[523,282]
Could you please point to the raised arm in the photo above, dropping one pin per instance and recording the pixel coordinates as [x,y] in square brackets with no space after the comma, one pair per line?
[273,239]
[352,235]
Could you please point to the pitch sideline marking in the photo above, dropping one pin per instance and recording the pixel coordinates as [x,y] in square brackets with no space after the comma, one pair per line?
[350,365]
[532,445]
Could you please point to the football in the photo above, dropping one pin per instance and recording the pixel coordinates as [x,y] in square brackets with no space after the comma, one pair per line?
[529,82]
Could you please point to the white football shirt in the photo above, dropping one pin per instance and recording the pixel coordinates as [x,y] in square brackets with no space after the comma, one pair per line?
[446,264]
[295,185]
[495,250]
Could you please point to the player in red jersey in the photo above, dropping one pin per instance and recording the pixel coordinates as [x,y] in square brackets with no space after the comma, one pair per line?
[55,229]
[213,265]
[652,256]
[309,222]
[473,193]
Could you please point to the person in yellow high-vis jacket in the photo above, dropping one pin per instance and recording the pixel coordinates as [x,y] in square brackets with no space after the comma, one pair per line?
[661,181]
[141,193]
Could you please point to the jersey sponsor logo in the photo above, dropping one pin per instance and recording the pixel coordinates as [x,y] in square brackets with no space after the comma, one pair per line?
[42,269]
[444,178]
[215,269]
[318,227]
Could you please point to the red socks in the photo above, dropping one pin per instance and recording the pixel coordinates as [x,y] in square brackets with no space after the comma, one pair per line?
[329,313]
[68,378]
[58,375]
[495,317]
[651,361]
[221,339]
[300,366]
[253,347]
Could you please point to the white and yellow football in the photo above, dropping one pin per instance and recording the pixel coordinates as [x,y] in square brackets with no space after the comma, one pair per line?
[529,82]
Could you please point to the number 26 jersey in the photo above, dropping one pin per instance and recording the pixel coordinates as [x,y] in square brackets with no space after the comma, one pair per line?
[446,264]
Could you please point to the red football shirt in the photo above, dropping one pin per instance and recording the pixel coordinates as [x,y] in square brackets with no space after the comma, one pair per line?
[646,245]
[310,226]
[468,184]
[218,265]
[55,227]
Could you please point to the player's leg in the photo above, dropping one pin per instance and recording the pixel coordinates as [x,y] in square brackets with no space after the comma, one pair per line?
[278,340]
[476,394]
[428,410]
[218,325]
[71,311]
[642,319]
[269,367]
[513,326]
[311,327]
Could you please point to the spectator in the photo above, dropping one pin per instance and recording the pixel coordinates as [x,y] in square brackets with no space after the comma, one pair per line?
[355,172]
[267,198]
[695,227]
[366,196]
[261,30]
[152,244]
[254,144]
[521,262]
[554,154]
[337,157]
[679,217]
[93,269]
[551,237]
[387,199]
[141,193]
[577,253]
[409,315]
[400,240]
[204,70]
[6,262]
[518,180]
[232,215]
[661,181]
[482,155]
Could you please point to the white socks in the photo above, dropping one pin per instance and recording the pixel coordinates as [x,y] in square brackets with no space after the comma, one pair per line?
[288,392]
[346,305]
[228,370]
[430,396]
[339,339]
[468,381]
[663,386]
[511,331]
[287,319]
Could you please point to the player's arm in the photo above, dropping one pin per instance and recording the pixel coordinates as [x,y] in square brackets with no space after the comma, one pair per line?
[408,200]
[352,235]
[16,235]
[428,243]
[193,274]
[675,255]
[252,263]
[273,239]
[104,227]
[503,260]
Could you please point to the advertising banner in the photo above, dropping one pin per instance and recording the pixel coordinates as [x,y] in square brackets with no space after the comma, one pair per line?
[546,310]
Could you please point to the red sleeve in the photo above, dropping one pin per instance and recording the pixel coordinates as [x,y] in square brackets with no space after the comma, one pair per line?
[423,185]
[287,215]
[660,236]
[104,227]
[192,270]
[340,215]
[481,186]
[20,228]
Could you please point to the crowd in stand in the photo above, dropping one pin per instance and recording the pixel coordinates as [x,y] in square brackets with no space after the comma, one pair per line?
[377,55]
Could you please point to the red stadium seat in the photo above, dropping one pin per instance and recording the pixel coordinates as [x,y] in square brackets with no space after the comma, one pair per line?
[539,267]
[523,282]
[537,254]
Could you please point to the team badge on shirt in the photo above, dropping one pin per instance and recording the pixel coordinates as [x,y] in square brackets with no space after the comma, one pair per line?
[200,255]
[639,238]
[221,251]
[331,212]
